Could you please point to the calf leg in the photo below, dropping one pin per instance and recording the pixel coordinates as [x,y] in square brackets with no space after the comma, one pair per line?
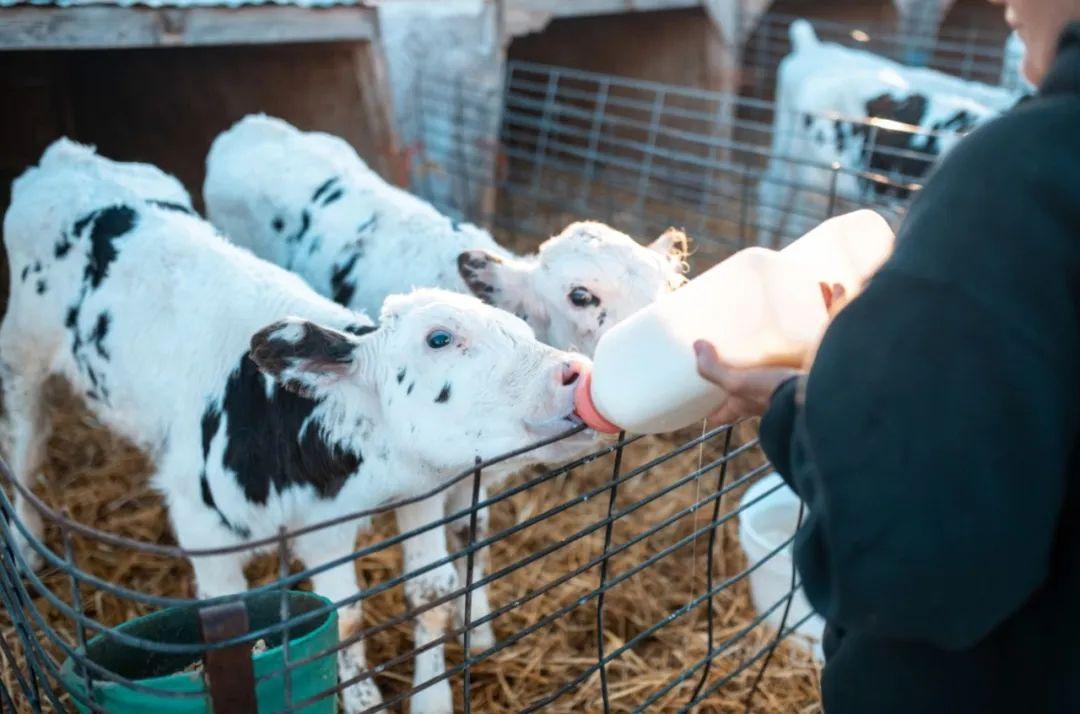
[421,590]
[483,635]
[26,430]
[198,528]
[338,583]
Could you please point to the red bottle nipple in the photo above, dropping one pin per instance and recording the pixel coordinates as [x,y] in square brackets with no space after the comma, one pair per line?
[584,407]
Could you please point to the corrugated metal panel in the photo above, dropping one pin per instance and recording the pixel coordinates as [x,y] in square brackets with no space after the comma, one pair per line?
[182,3]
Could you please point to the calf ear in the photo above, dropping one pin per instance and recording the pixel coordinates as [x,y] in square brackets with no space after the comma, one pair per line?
[304,357]
[494,280]
[674,245]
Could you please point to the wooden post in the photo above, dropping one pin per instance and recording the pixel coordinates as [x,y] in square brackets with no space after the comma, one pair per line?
[378,109]
[920,21]
[229,670]
[446,61]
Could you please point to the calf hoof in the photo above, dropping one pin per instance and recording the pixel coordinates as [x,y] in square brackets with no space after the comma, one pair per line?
[360,697]
[436,699]
[481,637]
[28,560]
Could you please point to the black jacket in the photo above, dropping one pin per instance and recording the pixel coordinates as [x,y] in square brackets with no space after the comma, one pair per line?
[938,443]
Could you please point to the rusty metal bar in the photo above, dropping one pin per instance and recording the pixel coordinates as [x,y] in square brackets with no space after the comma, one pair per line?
[229,671]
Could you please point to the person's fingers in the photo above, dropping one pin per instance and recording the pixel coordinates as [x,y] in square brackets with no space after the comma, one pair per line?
[749,389]
[709,364]
[838,299]
[826,294]
[722,417]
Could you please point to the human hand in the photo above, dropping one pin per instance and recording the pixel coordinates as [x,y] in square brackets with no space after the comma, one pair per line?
[749,389]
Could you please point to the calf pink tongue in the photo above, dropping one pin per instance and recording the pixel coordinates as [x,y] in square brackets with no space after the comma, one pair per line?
[584,407]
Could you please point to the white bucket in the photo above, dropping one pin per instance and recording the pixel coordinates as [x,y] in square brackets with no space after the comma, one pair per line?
[763,526]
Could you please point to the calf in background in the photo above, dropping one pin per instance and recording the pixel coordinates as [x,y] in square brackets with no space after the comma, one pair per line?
[860,125]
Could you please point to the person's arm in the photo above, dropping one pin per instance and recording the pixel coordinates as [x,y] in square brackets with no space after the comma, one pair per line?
[932,452]
[778,424]
[940,418]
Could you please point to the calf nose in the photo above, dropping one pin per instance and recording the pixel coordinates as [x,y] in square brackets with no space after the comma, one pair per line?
[570,372]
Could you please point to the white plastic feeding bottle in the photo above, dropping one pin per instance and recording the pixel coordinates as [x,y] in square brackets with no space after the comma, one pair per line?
[759,307]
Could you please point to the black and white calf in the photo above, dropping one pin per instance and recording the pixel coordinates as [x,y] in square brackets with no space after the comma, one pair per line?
[826,97]
[154,185]
[308,202]
[261,403]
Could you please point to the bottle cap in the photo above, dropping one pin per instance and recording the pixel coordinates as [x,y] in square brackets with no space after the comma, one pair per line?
[584,407]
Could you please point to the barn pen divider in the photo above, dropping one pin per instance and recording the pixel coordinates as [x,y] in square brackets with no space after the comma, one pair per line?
[570,145]
[644,156]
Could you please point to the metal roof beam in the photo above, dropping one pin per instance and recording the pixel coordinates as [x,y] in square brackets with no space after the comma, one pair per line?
[99,27]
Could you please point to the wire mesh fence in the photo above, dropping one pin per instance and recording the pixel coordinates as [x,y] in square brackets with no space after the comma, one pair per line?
[591,552]
[642,156]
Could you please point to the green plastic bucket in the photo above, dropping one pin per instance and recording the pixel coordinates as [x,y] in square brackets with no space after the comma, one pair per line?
[180,625]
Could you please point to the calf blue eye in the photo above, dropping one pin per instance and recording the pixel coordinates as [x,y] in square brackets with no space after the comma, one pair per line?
[438,339]
[581,297]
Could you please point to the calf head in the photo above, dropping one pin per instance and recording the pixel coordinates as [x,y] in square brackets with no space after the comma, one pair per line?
[580,283]
[443,381]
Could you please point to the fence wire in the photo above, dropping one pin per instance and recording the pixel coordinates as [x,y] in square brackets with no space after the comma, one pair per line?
[50,626]
[644,156]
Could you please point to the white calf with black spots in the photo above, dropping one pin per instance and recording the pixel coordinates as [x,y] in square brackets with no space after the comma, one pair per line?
[153,184]
[825,93]
[261,403]
[308,202]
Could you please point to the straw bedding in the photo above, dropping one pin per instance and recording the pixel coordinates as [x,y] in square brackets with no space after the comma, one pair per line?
[103,482]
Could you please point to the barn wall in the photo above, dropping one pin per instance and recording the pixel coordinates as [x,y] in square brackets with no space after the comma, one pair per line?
[963,15]
[674,46]
[976,13]
[670,46]
[165,106]
[975,29]
[838,10]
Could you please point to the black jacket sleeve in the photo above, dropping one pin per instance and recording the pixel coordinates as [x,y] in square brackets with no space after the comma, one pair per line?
[941,413]
[777,425]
